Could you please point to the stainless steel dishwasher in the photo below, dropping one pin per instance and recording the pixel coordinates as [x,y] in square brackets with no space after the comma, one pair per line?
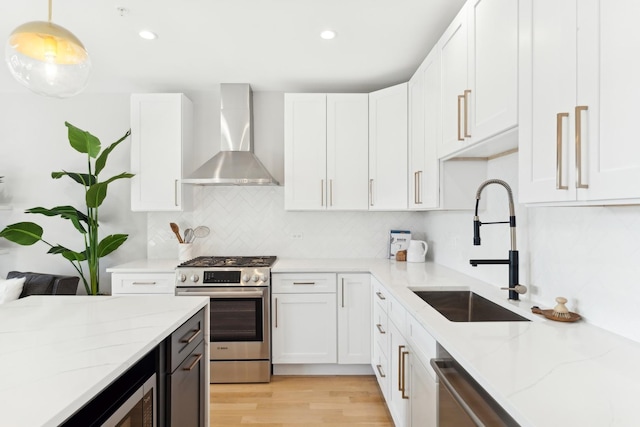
[462,401]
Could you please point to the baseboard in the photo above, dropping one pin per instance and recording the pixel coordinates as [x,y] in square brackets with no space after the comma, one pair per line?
[322,369]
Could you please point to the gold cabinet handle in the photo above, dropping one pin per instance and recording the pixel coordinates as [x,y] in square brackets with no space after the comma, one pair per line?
[371,192]
[304,283]
[404,384]
[194,363]
[380,295]
[400,370]
[322,192]
[379,368]
[578,112]
[193,336]
[466,113]
[379,326]
[343,292]
[175,192]
[460,137]
[143,283]
[415,188]
[276,313]
[559,118]
[330,192]
[418,186]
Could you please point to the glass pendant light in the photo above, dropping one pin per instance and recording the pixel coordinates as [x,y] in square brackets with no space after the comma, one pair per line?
[48,59]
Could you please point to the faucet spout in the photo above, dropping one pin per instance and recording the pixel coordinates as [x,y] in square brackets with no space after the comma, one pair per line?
[513,260]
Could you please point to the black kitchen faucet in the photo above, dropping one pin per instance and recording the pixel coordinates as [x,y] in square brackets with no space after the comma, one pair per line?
[514,287]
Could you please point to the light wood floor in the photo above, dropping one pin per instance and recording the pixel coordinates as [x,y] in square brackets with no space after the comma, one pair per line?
[300,401]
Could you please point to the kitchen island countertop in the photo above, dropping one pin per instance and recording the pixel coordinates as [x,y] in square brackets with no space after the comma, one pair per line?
[58,352]
[542,372]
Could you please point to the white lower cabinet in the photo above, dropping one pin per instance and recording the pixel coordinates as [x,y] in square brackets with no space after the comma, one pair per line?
[354,317]
[304,328]
[401,350]
[321,318]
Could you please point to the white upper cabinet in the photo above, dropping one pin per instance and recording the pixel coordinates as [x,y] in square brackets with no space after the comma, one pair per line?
[577,107]
[424,131]
[161,135]
[326,146]
[388,149]
[479,54]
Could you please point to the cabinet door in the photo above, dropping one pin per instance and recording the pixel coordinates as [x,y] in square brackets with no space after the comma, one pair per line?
[422,391]
[547,99]
[388,148]
[455,106]
[354,319]
[493,67]
[417,143]
[160,128]
[188,389]
[424,127]
[304,328]
[398,398]
[607,72]
[347,151]
[305,156]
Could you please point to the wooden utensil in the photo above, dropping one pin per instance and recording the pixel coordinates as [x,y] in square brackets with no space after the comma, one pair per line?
[176,231]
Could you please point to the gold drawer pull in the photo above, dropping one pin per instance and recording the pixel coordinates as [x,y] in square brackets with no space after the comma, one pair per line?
[380,295]
[379,326]
[382,375]
[192,337]
[579,110]
[559,118]
[194,363]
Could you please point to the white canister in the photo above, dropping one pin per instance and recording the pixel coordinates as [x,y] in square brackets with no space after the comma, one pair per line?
[185,251]
[417,251]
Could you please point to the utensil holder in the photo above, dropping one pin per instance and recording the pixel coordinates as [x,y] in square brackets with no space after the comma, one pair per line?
[185,251]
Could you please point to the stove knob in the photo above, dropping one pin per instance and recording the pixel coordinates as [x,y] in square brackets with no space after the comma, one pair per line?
[262,277]
[255,278]
[182,277]
[195,278]
[246,278]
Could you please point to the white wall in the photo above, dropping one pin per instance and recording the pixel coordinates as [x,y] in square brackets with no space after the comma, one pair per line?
[586,254]
[34,144]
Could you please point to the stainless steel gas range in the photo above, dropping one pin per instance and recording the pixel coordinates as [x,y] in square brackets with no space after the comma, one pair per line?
[238,289]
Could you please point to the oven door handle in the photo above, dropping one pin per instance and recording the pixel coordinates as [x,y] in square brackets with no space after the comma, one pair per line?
[217,294]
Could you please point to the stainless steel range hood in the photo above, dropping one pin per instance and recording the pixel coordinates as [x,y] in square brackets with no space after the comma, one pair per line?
[235,164]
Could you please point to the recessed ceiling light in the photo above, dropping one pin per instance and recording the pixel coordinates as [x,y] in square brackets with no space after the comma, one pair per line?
[148,35]
[328,34]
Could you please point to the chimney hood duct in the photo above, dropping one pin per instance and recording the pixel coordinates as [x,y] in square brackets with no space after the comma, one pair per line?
[235,164]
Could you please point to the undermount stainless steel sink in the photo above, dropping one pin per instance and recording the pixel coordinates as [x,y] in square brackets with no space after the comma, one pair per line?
[467,306]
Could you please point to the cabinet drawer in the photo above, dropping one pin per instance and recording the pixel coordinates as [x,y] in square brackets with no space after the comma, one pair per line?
[422,343]
[380,328]
[380,365]
[379,293]
[143,283]
[314,283]
[397,314]
[185,339]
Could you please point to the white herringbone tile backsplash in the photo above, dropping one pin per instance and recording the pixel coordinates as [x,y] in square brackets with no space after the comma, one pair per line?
[252,221]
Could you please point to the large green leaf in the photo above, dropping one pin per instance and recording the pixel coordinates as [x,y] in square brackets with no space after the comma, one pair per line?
[22,233]
[110,244]
[68,253]
[97,192]
[81,178]
[101,161]
[66,212]
[83,141]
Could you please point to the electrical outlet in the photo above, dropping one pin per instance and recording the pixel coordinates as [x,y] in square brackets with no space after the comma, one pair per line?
[296,235]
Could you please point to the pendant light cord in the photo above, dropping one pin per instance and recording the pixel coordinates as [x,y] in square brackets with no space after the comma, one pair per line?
[50,7]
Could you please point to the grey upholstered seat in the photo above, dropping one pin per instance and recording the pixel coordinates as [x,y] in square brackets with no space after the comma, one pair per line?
[46,284]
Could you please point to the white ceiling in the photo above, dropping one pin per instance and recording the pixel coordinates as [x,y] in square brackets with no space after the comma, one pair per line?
[272,44]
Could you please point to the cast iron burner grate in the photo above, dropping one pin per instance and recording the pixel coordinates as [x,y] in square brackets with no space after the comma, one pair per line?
[234,261]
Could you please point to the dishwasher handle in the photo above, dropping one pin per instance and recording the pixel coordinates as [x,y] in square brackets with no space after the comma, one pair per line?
[437,365]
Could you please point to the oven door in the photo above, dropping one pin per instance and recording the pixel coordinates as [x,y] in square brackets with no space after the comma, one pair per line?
[239,321]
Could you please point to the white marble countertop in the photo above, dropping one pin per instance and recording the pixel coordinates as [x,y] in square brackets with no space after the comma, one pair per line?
[58,352]
[542,372]
[146,266]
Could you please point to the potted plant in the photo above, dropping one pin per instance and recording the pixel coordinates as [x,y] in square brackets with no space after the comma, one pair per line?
[28,233]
